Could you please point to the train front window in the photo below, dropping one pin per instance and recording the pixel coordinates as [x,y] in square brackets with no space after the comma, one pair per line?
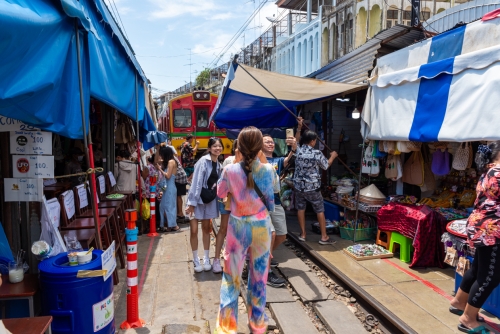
[202,118]
[182,118]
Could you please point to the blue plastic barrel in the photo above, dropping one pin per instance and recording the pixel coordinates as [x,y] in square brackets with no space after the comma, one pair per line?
[77,305]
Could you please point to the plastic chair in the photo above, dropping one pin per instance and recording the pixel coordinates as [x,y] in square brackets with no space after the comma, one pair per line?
[405,246]
[384,242]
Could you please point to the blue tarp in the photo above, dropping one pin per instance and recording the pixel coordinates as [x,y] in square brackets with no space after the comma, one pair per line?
[39,73]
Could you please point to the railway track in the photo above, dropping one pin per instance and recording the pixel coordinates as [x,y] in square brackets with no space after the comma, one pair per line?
[389,322]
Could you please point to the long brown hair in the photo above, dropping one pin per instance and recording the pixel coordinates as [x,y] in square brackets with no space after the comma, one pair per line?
[249,145]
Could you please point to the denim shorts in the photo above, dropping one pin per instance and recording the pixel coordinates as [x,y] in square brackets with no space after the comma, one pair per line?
[222,209]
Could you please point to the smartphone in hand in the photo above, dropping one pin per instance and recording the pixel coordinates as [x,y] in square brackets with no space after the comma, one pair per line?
[289,133]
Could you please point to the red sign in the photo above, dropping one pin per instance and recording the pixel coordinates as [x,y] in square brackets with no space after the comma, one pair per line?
[23,165]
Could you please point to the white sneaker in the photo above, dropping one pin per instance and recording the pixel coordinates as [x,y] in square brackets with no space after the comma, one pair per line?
[198,268]
[216,268]
[206,264]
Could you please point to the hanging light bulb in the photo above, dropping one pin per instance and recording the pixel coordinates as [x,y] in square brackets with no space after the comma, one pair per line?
[355,113]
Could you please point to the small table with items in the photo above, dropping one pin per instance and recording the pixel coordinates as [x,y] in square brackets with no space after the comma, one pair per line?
[26,289]
[36,325]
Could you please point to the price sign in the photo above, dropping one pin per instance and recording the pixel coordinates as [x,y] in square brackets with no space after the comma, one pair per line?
[54,209]
[23,190]
[108,259]
[33,166]
[8,124]
[82,194]
[69,203]
[30,142]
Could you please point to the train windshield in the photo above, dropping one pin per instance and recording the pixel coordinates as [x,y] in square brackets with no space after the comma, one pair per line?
[182,118]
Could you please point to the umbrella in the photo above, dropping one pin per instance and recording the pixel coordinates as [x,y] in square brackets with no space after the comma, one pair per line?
[156,137]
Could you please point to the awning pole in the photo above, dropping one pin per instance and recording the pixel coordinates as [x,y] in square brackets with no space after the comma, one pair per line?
[359,185]
[291,112]
[90,160]
[138,146]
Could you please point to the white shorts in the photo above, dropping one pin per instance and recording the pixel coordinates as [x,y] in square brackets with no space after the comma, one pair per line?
[278,220]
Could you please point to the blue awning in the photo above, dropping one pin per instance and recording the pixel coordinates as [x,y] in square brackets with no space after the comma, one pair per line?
[39,82]
[243,102]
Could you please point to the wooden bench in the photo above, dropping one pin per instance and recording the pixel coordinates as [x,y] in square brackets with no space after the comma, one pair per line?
[22,290]
[36,325]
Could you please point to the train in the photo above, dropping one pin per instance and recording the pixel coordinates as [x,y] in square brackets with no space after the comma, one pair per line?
[190,114]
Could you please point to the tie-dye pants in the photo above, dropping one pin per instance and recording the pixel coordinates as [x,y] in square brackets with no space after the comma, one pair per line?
[250,234]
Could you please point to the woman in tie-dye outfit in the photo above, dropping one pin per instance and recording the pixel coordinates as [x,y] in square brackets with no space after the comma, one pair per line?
[249,230]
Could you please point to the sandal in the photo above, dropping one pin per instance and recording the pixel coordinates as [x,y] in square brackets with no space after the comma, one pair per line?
[301,238]
[327,242]
[477,330]
[162,229]
[456,311]
[173,229]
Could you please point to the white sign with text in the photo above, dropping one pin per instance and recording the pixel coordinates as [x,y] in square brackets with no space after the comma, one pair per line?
[30,142]
[8,124]
[33,166]
[103,313]
[23,190]
[108,259]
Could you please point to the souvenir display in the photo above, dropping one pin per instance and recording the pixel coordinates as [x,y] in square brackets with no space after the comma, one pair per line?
[366,252]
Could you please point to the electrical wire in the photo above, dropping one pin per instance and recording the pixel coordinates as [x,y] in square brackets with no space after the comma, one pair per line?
[184,55]
[120,18]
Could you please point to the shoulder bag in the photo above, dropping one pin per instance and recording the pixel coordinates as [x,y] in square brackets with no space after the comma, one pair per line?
[461,158]
[255,187]
[413,170]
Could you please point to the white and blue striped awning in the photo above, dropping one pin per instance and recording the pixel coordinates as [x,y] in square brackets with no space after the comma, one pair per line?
[442,89]
[243,102]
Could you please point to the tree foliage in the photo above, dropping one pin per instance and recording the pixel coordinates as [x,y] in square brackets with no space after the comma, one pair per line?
[203,78]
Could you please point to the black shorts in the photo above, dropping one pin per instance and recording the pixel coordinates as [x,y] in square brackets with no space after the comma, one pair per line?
[181,189]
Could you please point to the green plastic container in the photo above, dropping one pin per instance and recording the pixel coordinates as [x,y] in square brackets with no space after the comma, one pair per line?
[361,233]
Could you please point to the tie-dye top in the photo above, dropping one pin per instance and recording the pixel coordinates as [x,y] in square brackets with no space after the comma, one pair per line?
[244,201]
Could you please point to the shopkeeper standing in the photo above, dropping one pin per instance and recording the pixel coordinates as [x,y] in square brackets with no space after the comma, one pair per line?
[307,183]
[483,232]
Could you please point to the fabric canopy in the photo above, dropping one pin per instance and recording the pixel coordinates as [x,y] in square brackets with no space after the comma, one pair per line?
[243,102]
[441,89]
[39,83]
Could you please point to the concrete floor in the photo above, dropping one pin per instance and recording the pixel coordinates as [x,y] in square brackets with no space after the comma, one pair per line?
[420,297]
[173,299]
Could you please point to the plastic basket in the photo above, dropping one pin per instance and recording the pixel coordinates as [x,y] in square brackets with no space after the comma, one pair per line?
[361,233]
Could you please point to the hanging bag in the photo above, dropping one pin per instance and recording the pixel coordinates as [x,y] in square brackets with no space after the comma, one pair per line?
[429,179]
[461,158]
[377,153]
[370,165]
[414,146]
[413,170]
[390,147]
[391,166]
[402,146]
[440,162]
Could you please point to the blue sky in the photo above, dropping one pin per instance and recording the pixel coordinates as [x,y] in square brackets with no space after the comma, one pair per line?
[162,31]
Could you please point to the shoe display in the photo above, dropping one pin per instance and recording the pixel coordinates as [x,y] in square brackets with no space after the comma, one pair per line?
[274,263]
[198,268]
[274,280]
[216,267]
[206,264]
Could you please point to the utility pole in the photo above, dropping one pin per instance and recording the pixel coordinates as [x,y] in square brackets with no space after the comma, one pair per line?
[190,64]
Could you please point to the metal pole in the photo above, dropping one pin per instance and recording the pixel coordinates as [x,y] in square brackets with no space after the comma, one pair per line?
[359,185]
[93,198]
[291,112]
[138,145]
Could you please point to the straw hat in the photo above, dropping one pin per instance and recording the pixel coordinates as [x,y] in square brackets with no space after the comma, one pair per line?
[371,192]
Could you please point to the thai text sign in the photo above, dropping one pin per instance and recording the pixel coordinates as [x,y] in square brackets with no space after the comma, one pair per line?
[23,190]
[33,166]
[108,259]
[30,142]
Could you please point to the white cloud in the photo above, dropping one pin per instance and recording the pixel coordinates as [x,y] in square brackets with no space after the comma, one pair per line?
[170,8]
[221,16]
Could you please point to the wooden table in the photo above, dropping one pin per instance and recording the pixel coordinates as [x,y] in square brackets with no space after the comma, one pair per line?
[37,325]
[22,290]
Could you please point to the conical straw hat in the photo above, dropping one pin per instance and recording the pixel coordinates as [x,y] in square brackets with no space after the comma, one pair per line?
[372,192]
